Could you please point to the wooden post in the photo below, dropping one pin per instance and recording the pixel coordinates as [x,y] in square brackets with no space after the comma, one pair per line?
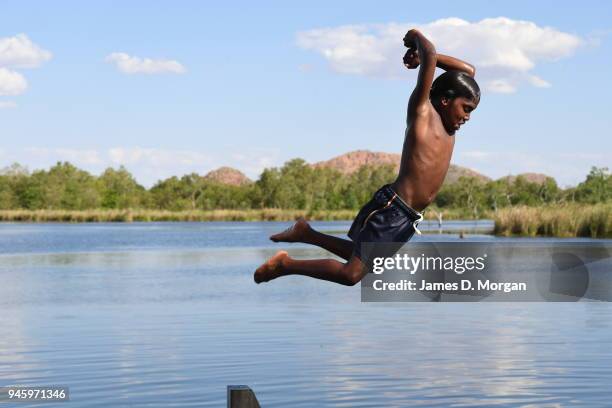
[241,396]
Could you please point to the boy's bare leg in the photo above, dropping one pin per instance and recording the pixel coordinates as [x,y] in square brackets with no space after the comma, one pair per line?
[301,231]
[331,270]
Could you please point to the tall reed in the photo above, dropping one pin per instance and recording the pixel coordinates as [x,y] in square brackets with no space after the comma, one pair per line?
[570,220]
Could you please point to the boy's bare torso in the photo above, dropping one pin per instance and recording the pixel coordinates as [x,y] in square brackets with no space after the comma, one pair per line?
[428,143]
[426,156]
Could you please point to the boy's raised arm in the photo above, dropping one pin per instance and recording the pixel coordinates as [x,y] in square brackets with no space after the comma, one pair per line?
[451,63]
[427,59]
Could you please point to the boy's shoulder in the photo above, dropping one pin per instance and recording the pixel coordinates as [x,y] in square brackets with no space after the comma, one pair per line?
[425,124]
[423,113]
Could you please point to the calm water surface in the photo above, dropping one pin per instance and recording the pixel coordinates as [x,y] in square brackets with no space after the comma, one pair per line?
[167,314]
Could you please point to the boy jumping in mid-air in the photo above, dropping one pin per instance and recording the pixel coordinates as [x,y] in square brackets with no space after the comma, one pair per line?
[436,110]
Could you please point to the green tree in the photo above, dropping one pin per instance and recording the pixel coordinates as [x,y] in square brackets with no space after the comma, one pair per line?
[63,186]
[119,189]
[168,194]
[365,181]
[216,195]
[67,187]
[11,180]
[597,188]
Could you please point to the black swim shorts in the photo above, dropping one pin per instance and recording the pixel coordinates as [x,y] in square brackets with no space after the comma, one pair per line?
[386,218]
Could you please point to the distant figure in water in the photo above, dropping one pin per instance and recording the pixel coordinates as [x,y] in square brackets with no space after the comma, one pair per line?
[436,110]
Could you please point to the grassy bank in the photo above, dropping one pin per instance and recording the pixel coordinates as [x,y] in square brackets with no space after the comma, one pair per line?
[594,221]
[559,221]
[134,215]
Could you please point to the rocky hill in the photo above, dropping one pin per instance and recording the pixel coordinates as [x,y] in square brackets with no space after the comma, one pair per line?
[228,175]
[538,178]
[455,172]
[350,162]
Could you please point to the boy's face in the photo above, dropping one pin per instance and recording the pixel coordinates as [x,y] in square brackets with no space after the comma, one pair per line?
[455,112]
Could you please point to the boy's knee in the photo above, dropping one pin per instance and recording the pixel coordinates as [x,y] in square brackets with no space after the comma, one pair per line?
[354,279]
[354,272]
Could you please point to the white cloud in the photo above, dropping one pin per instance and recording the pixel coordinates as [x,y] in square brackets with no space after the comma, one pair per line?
[157,157]
[78,157]
[252,161]
[11,82]
[135,65]
[20,52]
[539,82]
[504,51]
[501,86]
[7,105]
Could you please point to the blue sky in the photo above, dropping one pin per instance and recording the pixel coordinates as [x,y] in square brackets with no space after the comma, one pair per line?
[251,85]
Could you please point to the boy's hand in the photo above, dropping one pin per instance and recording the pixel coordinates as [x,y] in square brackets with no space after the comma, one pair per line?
[409,38]
[411,58]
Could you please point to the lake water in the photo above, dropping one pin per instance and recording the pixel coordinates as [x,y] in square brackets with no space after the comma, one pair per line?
[167,314]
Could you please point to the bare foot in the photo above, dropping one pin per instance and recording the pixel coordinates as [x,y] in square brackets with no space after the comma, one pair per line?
[295,233]
[271,269]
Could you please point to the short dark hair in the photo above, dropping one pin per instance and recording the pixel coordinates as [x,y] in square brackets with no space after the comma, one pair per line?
[453,84]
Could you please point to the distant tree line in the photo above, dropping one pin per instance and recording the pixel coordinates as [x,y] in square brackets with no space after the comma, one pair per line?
[472,194]
[295,185]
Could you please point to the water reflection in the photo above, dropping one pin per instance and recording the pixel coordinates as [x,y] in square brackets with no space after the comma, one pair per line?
[172,325]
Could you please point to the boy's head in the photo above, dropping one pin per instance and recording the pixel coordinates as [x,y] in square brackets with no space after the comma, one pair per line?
[455,95]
